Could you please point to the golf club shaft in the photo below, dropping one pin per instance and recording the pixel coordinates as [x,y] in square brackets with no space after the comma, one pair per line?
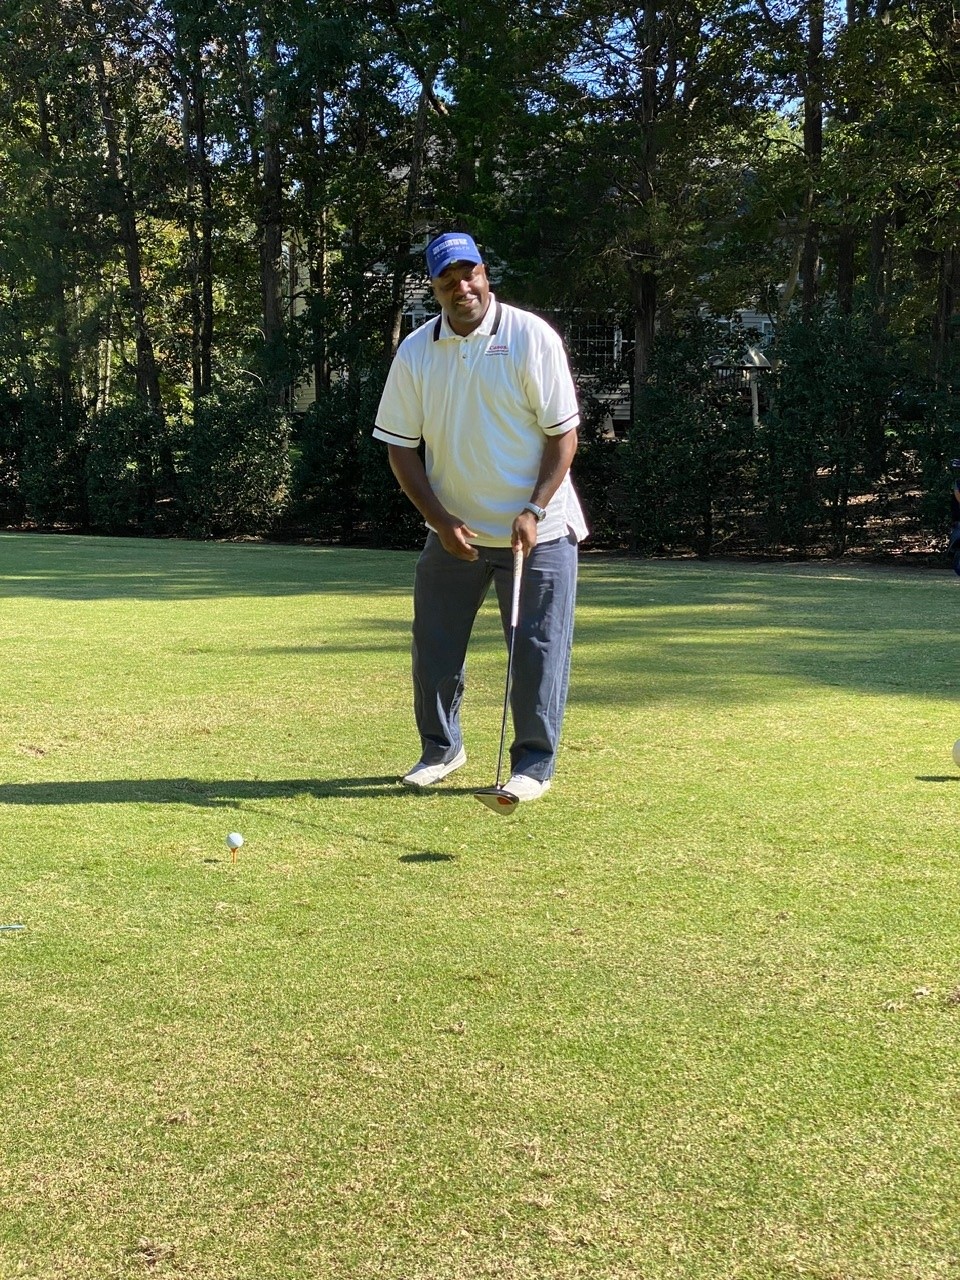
[514,619]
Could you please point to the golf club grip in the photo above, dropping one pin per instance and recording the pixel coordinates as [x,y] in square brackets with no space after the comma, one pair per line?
[517,574]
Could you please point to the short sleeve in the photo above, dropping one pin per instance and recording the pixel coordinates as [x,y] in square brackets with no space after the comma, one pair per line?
[399,418]
[549,384]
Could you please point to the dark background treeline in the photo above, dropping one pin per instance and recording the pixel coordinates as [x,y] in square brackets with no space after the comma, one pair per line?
[211,220]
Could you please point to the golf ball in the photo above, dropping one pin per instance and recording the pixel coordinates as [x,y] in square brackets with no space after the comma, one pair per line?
[234,840]
[956,753]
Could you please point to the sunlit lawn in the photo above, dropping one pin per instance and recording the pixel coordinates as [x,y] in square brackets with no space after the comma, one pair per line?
[696,1014]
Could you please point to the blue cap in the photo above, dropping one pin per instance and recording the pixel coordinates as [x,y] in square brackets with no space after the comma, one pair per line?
[450,246]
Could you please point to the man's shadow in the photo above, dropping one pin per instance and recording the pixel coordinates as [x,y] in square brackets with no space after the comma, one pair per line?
[215,793]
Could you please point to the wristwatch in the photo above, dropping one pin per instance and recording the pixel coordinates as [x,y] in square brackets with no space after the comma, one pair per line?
[537,512]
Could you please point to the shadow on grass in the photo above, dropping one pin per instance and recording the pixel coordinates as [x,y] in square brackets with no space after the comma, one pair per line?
[427,856]
[650,633]
[393,632]
[215,793]
[72,567]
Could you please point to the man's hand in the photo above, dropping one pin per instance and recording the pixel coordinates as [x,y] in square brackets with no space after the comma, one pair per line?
[407,466]
[453,535]
[524,535]
[558,452]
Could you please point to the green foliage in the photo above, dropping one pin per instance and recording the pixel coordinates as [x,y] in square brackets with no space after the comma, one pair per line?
[342,480]
[599,464]
[325,471]
[122,462]
[389,519]
[52,459]
[824,442]
[196,195]
[234,465]
[598,478]
[688,459]
[927,422]
[11,499]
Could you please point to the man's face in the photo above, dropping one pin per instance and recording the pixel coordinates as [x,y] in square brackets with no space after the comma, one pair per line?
[463,291]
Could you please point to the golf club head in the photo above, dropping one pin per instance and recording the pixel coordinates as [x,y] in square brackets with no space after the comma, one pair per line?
[497,800]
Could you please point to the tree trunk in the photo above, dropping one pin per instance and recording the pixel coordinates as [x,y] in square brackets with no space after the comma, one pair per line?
[643,291]
[204,176]
[948,305]
[465,142]
[105,349]
[271,215]
[192,88]
[403,248]
[643,279]
[315,234]
[190,220]
[878,274]
[812,149]
[148,381]
[846,250]
[57,293]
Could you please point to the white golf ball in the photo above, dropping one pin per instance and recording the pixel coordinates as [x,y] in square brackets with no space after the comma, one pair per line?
[956,753]
[234,840]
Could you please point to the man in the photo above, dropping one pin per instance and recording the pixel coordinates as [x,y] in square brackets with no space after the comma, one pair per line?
[487,390]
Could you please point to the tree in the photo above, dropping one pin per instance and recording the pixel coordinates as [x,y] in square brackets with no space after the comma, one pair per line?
[656,114]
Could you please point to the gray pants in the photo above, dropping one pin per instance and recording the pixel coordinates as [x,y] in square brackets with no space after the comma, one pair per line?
[447,596]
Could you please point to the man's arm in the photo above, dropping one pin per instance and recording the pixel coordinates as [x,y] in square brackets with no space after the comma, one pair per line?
[407,466]
[558,454]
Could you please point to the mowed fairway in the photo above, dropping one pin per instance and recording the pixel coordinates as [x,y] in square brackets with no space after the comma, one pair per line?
[696,1014]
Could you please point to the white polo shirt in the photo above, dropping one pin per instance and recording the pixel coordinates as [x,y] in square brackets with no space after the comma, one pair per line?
[482,406]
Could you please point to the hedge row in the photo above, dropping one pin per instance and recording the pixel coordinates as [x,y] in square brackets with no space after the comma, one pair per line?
[841,420]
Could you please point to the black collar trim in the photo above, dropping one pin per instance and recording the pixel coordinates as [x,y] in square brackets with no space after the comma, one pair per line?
[497,316]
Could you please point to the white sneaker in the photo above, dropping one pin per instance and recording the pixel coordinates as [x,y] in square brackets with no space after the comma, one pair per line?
[526,788]
[426,775]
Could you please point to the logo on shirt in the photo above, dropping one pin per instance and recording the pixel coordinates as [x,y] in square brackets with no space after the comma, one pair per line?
[498,349]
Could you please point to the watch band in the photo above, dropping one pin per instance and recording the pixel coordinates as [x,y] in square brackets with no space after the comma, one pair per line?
[538,512]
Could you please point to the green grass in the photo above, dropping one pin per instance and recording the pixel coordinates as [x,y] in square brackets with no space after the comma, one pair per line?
[695,1015]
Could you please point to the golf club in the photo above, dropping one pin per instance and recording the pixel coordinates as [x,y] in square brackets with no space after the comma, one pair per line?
[496,798]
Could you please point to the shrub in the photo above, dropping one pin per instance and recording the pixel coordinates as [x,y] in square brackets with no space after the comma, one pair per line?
[121,465]
[598,470]
[234,465]
[927,421]
[824,440]
[342,479]
[11,497]
[687,460]
[52,454]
